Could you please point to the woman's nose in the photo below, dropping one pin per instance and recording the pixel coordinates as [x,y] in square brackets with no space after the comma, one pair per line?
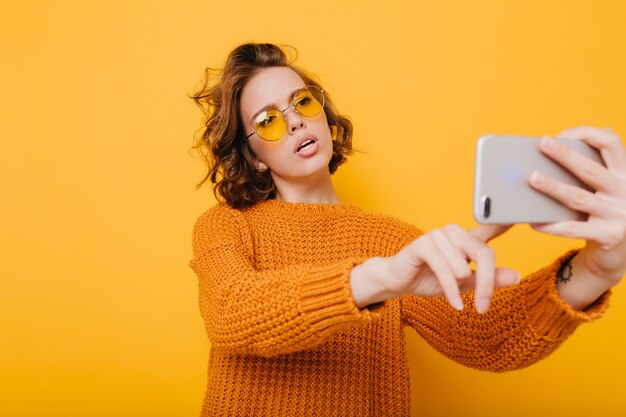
[294,121]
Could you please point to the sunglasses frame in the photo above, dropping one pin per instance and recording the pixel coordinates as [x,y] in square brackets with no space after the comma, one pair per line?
[293,104]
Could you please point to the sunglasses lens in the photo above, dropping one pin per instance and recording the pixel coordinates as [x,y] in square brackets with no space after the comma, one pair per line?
[309,102]
[270,125]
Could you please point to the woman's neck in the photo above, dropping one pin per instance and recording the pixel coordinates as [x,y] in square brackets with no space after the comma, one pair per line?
[307,190]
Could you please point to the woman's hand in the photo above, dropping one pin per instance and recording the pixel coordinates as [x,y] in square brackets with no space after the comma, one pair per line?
[603,260]
[436,264]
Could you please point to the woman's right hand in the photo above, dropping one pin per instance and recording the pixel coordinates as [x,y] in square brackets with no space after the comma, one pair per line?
[437,264]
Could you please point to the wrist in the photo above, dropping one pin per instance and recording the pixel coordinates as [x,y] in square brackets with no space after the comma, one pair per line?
[577,284]
[367,282]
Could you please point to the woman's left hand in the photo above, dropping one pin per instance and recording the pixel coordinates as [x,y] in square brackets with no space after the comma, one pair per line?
[604,255]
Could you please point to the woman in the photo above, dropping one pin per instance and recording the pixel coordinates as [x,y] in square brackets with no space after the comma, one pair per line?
[305,298]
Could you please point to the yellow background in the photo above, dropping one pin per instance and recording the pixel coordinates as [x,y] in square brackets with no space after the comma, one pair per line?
[98,307]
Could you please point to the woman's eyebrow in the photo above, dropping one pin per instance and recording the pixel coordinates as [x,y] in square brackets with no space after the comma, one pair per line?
[273,105]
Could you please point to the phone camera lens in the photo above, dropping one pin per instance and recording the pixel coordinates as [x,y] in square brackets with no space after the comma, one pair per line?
[486,207]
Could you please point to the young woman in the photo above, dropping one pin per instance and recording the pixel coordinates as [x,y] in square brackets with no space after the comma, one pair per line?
[305,297]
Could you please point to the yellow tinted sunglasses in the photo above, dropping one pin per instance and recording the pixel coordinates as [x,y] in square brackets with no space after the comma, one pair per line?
[271,124]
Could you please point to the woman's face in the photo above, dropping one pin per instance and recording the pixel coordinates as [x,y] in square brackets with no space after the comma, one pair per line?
[285,158]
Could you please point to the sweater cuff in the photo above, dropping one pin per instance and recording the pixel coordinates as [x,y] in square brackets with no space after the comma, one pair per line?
[551,316]
[326,296]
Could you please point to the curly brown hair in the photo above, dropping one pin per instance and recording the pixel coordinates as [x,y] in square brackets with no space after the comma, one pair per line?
[220,142]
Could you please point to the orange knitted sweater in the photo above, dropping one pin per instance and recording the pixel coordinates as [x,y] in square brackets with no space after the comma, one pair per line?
[288,340]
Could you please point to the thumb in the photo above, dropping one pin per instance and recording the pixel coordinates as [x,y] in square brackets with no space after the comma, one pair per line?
[487,232]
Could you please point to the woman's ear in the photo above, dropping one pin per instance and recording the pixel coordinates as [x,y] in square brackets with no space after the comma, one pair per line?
[333,132]
[259,166]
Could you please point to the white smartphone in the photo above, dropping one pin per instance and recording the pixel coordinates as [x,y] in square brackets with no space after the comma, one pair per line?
[502,194]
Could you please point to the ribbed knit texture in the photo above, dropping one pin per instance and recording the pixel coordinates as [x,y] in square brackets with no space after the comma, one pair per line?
[288,340]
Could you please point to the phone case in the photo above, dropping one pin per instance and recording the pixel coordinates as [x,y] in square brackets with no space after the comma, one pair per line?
[502,194]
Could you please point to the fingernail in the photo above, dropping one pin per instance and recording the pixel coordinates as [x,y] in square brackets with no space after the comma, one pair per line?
[548,143]
[518,278]
[482,305]
[534,177]
[457,303]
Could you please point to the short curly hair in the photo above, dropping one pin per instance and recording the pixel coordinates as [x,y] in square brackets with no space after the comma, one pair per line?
[220,142]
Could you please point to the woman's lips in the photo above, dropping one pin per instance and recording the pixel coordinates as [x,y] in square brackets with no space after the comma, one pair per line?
[308,150]
[302,140]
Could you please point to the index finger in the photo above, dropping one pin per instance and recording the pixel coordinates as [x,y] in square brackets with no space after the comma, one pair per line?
[606,141]
[484,258]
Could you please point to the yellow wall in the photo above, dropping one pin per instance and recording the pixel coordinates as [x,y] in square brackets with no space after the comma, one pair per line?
[98,306]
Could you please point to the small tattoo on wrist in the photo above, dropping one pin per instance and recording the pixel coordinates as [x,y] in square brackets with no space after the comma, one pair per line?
[565,273]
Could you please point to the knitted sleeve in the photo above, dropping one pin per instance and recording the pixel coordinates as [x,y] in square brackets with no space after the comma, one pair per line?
[266,312]
[524,324]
